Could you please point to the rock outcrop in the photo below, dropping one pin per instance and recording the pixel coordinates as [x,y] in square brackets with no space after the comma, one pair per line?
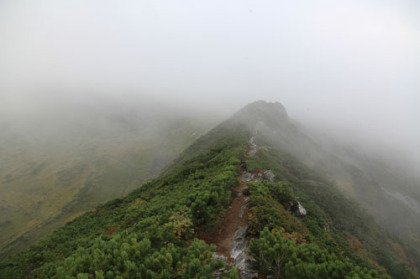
[269,176]
[298,210]
[239,253]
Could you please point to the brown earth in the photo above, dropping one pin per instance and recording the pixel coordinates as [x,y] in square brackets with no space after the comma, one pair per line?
[222,234]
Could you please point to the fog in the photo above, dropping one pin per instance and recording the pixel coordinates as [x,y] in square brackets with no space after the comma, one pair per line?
[350,68]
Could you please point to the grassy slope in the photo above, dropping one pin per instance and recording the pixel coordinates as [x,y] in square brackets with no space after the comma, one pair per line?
[42,188]
[351,231]
[373,182]
[163,211]
[163,214]
[190,195]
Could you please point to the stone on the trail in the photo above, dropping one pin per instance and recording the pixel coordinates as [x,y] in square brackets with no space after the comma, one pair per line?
[220,273]
[246,267]
[239,242]
[238,253]
[246,176]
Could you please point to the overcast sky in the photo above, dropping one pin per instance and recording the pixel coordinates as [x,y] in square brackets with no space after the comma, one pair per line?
[353,66]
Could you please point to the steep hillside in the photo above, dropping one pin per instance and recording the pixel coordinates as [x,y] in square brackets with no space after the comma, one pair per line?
[295,222]
[153,225]
[390,195]
[55,167]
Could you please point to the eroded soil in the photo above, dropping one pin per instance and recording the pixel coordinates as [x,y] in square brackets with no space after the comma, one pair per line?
[222,234]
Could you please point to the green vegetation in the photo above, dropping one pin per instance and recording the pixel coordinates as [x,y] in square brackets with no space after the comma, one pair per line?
[287,251]
[283,257]
[150,233]
[153,225]
[336,229]
[45,185]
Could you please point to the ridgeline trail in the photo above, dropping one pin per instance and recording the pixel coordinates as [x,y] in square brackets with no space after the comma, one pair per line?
[223,233]
[230,234]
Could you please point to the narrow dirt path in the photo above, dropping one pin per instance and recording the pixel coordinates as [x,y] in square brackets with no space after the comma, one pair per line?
[223,233]
[230,234]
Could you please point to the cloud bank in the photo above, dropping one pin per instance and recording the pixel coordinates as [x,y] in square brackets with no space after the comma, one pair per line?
[351,67]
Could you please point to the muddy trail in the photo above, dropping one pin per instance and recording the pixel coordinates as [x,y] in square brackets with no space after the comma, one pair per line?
[234,217]
[230,235]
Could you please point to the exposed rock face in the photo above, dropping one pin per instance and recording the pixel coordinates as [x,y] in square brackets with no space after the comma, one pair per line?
[246,267]
[239,242]
[258,175]
[238,253]
[299,210]
[246,177]
[269,176]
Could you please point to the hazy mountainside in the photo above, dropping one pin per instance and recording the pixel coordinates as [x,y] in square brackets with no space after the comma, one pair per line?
[152,232]
[55,166]
[389,194]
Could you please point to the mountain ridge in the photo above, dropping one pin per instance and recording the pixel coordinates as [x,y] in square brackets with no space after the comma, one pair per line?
[162,216]
[56,166]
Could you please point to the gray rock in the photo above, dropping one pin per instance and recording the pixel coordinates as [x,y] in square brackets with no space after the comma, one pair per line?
[300,210]
[238,253]
[269,176]
[239,242]
[246,267]
[218,274]
[246,177]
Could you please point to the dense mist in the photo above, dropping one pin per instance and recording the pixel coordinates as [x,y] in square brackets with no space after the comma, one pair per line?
[350,68]
[99,98]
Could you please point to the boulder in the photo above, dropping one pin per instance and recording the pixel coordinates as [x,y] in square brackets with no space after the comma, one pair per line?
[269,176]
[299,210]
[246,177]
[239,242]
[238,253]
[246,266]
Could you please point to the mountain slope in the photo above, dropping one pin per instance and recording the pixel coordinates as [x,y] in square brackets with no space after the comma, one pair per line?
[55,167]
[391,196]
[151,233]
